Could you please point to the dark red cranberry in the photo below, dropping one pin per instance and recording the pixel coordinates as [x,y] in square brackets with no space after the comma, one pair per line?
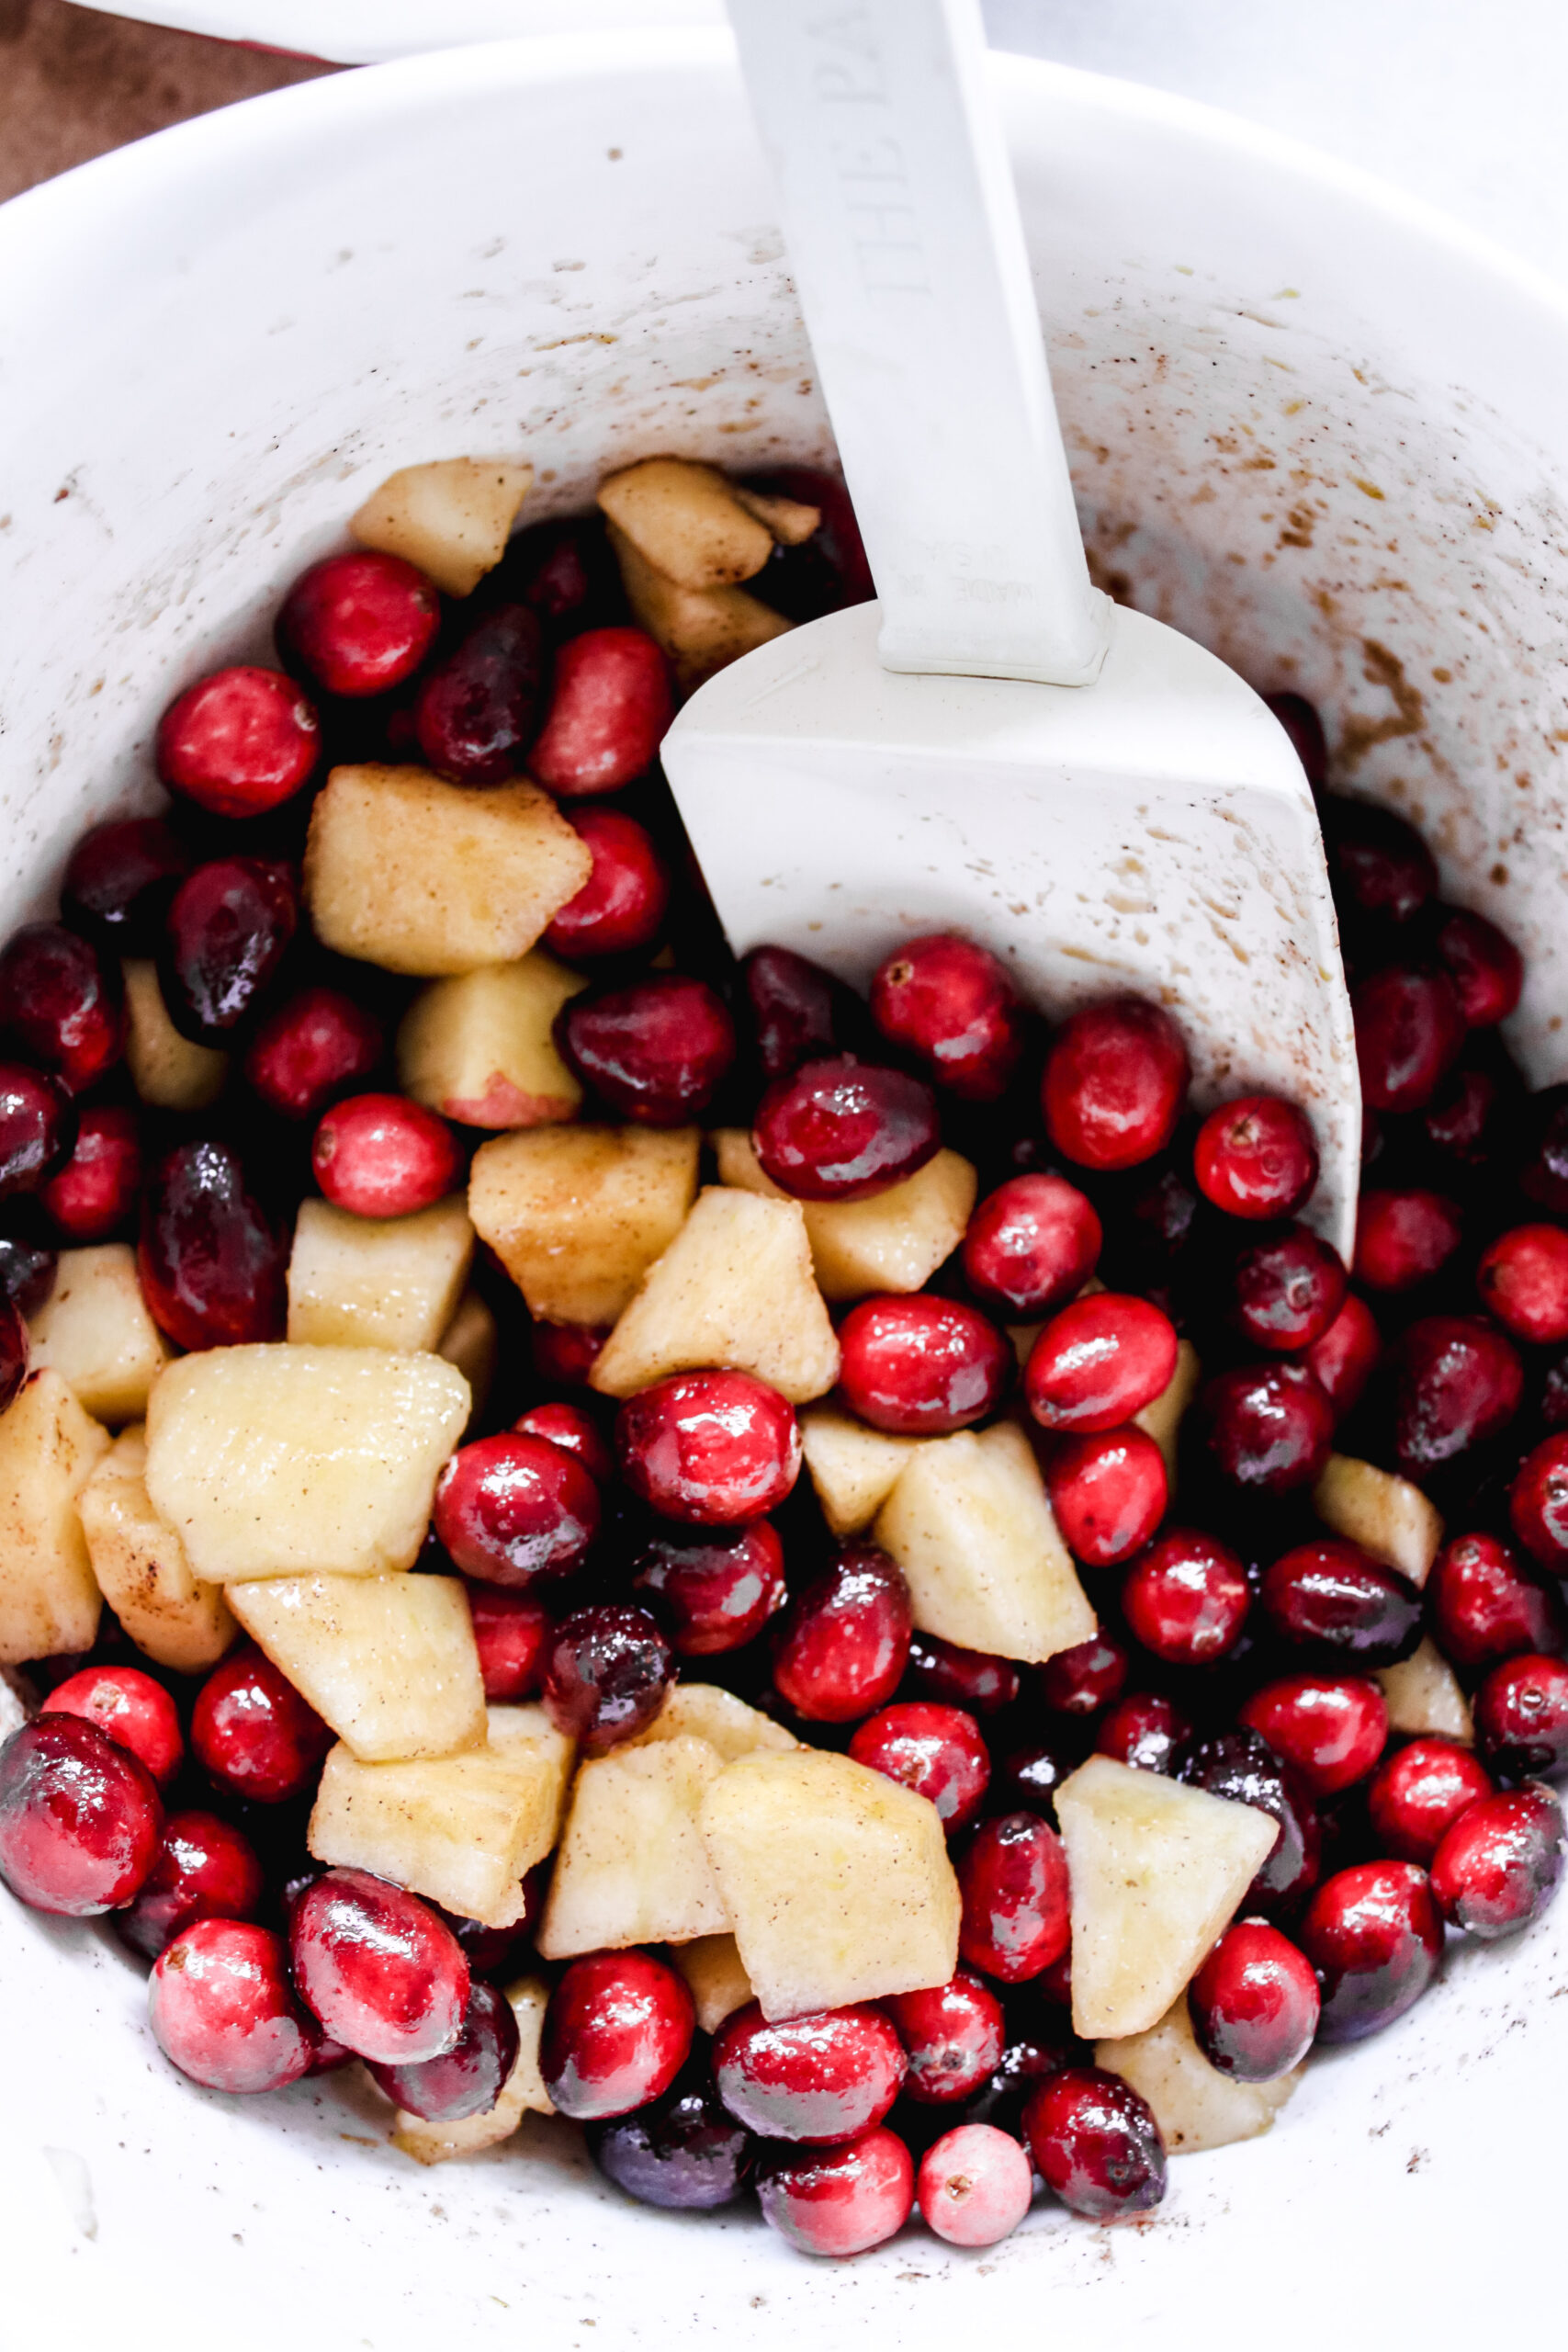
[1409,1030]
[1028,1778]
[253,1732]
[616,2035]
[682,2151]
[1254,2004]
[794,1006]
[1333,1601]
[1287,1290]
[1419,1792]
[1114,1084]
[827,571]
[511,1510]
[575,1431]
[564,1353]
[1382,868]
[96,1191]
[1107,1493]
[1460,1117]
[1268,1427]
[14,1348]
[223,2011]
[1343,1359]
[839,1129]
[381,1155]
[317,1045]
[27,1279]
[79,1819]
[952,1677]
[1328,1729]
[606,1672]
[610,705]
[656,1051]
[1487,1607]
[386,1977]
[477,709]
[820,2079]
[468,2078]
[1255,1157]
[565,570]
[1523,1280]
[1098,1362]
[1145,1730]
[1186,1598]
[239,743]
[358,624]
[837,2200]
[131,1709]
[1484,965]
[229,928]
[1081,1681]
[710,1448]
[1243,1768]
[1032,1245]
[1538,1503]
[1375,1936]
[936,1751]
[1522,1717]
[119,882]
[921,1366]
[1026,2060]
[956,1008]
[974,2186]
[1304,727]
[1013,1877]
[1404,1238]
[954,2035]
[1095,2144]
[212,1266]
[1457,1382]
[622,906]
[714,1595]
[1501,1862]
[841,1646]
[512,1634]
[1543,1171]
[60,1002]
[498,1954]
[205,1870]
[37,1128]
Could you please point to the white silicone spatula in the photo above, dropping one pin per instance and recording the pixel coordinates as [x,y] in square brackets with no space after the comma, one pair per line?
[992,747]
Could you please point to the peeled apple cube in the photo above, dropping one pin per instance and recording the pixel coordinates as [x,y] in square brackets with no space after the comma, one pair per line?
[141,1567]
[471,1341]
[389,1662]
[1158,1870]
[481,1049]
[1385,1514]
[686,521]
[716,1979]
[703,1711]
[1195,2105]
[853,1468]
[523,2093]
[282,1461]
[451,519]
[373,1281]
[95,1330]
[894,1242]
[49,1596]
[632,1868]
[1162,1419]
[698,630]
[1423,1695]
[578,1215]
[166,1069]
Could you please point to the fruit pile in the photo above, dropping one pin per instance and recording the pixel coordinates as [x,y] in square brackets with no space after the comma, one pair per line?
[842,1590]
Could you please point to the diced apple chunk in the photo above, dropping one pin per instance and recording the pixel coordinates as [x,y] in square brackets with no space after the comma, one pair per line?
[734,1288]
[1162,1419]
[632,1868]
[1195,2105]
[578,1215]
[1158,1870]
[704,1711]
[1423,1695]
[166,1069]
[970,1524]
[686,521]
[95,1330]
[837,1881]
[523,2093]
[450,518]
[853,1468]
[698,630]
[461,1829]
[374,1282]
[1380,1512]
[389,1662]
[789,520]
[280,1461]
[49,1597]
[894,1242]
[472,1342]
[716,1978]
[481,1049]
[422,877]
[141,1567]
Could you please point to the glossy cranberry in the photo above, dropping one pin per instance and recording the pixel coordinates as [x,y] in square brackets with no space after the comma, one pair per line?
[1287,1290]
[1255,1157]
[27,1276]
[386,1977]
[1089,1675]
[710,1448]
[1485,1606]
[574,1431]
[1098,1362]
[841,1646]
[1419,1792]
[1333,1601]
[477,709]
[1027,1779]
[130,1708]
[1404,1238]
[1522,1717]
[1328,1729]
[1013,1879]
[253,1732]
[1409,1030]
[1382,868]
[793,1007]
[468,2078]
[1375,1936]
[839,1129]
[381,1155]
[1304,727]
[1107,1493]
[565,1353]
[1457,1382]
[1026,2060]
[1243,1768]
[511,1510]
[656,1051]
[1538,1503]
[954,2035]
[1115,1081]
[1268,1427]
[204,1869]
[229,928]
[223,2011]
[499,1953]
[1095,2144]
[1462,1117]
[96,1191]
[936,1751]
[14,1348]
[1543,1170]
[212,1266]
[60,1003]
[317,1045]
[119,881]
[1186,1598]
[956,1008]
[820,2078]
[358,624]
[239,743]
[837,2200]
[564,570]
[952,1677]
[680,2151]
[606,1672]
[616,2035]
[610,705]
[79,1819]
[622,906]
[1484,965]
[974,2186]
[714,1594]
[1032,1245]
[511,1634]
[1501,1862]
[922,1366]
[1254,2004]
[1343,1359]
[1523,1280]
[1146,1730]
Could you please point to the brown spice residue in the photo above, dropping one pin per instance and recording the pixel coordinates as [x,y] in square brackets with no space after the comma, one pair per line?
[1407,718]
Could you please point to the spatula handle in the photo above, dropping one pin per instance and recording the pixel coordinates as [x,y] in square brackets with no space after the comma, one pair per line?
[904,235]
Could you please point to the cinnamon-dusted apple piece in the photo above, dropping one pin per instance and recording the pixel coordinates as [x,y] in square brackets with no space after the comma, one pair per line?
[141,1567]
[49,1597]
[481,1049]
[578,1215]
[389,1662]
[370,1282]
[95,1330]
[451,518]
[892,1242]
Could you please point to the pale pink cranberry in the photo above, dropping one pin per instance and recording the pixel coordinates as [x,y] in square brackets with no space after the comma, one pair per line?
[952,1677]
[1254,2004]
[1456,1383]
[1255,1157]
[1107,1493]
[574,1431]
[211,1265]
[1095,2144]
[1522,1717]
[622,906]
[974,2186]
[616,2035]
[205,1870]
[1409,1030]
[1114,1084]
[386,1977]
[1030,1245]
[610,705]
[94,1193]
[841,1646]
[715,1592]
[1419,1792]
[381,1155]
[1487,1607]
[607,1669]
[468,2078]
[477,709]
[1013,1880]
[1404,1238]
[223,2011]
[1286,1290]
[1523,1280]
[61,1003]
[1145,1731]
[1375,1936]
[511,1510]
[710,1448]
[936,1751]
[1328,1729]
[315,1046]
[1484,965]
[839,2200]
[840,1130]
[239,743]
[1081,1681]
[1343,1359]
[79,1819]
[511,1634]
[1098,1362]
[358,624]
[1501,1862]
[131,1708]
[793,1007]
[956,1008]
[820,2079]
[230,926]
[922,1366]
[37,1128]
[1268,1427]
[253,1732]
[1186,1599]
[953,2034]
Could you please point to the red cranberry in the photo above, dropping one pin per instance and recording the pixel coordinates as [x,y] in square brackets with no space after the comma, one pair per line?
[1254,2004]
[1013,1879]
[230,926]
[512,1634]
[1107,1493]
[478,710]
[253,1732]
[1330,1729]
[820,2079]
[1098,1362]
[1404,1238]
[974,2186]
[1538,1503]
[212,1266]
[716,1595]
[1382,868]
[922,1366]
[1523,1279]
[656,1051]
[358,624]
[1485,966]
[1186,1598]
[606,1673]
[953,2036]
[61,1003]
[1409,1030]
[710,1448]
[1500,1864]
[1145,1730]
[1375,1936]
[794,1006]
[239,743]
[1287,1290]
[622,906]
[468,2078]
[130,1708]
[574,1431]
[1522,1717]
[1543,1172]
[1032,1245]
[386,1977]
[1255,1157]
[1027,2059]
[37,1128]
[510,1509]
[682,2151]
[841,1646]
[1461,1118]
[936,1751]
[839,2200]
[1268,1427]
[565,1353]
[1333,1600]
[205,1870]
[610,705]
[1457,1382]
[1419,1792]
[1081,1681]
[223,2011]
[15,1346]
[1241,1766]
[80,1818]
[1095,2144]
[952,1677]
[381,1155]
[616,2035]
[119,882]
[1485,1607]
[314,1047]
[96,1191]
[1304,727]
[954,1007]
[839,1129]
[1115,1081]
[1028,1778]
[1343,1359]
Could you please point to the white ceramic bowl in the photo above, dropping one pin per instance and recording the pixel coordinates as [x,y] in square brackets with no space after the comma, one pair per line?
[1311,426]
